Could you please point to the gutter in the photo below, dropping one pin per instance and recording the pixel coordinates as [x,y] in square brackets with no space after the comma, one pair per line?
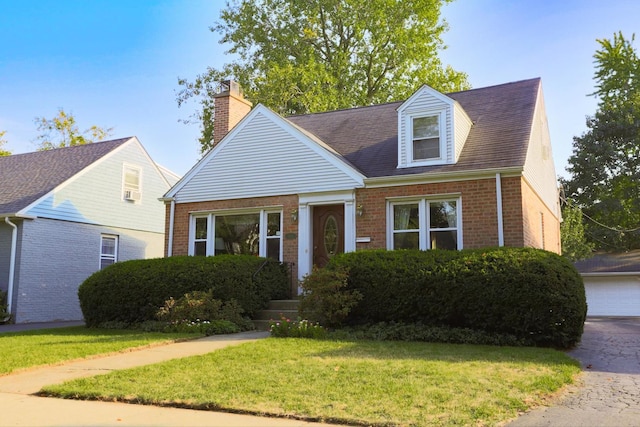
[12,264]
[433,177]
[499,210]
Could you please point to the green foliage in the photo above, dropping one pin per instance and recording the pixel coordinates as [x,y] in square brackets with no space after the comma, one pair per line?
[533,295]
[605,163]
[398,331]
[62,131]
[197,307]
[133,291]
[3,141]
[302,328]
[4,314]
[299,57]
[325,298]
[574,244]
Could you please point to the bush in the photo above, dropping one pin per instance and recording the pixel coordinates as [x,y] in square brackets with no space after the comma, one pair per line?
[325,298]
[534,295]
[133,291]
[286,328]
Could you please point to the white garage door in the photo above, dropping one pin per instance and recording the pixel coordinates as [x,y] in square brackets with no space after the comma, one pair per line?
[613,295]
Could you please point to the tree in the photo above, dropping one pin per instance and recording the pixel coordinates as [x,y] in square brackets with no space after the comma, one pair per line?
[605,164]
[308,56]
[62,131]
[3,141]
[574,244]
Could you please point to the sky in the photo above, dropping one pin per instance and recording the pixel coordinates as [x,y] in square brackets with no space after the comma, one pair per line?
[116,63]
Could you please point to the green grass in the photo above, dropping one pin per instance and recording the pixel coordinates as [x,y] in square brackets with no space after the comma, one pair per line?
[355,382]
[21,350]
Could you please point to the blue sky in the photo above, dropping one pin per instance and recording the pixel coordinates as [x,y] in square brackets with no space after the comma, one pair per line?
[116,63]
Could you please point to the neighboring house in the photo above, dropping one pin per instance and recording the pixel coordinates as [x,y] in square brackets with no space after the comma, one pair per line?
[465,170]
[68,212]
[612,283]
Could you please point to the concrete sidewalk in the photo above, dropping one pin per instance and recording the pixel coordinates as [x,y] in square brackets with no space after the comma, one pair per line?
[20,408]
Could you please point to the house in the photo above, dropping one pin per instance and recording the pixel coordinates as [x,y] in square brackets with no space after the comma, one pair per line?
[612,283]
[68,212]
[462,170]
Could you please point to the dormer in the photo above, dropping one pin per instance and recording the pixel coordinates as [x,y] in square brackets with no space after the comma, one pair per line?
[432,129]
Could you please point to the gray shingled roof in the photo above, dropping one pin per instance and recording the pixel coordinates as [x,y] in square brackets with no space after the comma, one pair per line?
[24,178]
[625,262]
[367,137]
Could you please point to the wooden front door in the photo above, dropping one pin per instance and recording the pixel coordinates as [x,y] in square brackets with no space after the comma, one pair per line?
[328,233]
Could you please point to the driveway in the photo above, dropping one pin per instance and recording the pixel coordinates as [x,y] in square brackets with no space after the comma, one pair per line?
[608,393]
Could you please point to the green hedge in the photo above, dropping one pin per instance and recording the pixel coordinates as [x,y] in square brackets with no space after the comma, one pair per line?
[133,291]
[532,294]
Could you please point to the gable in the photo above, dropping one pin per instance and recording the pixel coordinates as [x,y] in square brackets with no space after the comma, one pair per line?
[265,155]
[454,126]
[95,195]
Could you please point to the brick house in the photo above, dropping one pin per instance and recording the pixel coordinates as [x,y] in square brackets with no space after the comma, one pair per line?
[463,170]
[68,212]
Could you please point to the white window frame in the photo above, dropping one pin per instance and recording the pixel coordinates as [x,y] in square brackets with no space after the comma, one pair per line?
[211,218]
[424,229]
[441,159]
[108,257]
[126,187]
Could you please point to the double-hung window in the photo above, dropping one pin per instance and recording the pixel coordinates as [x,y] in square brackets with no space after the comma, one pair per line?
[108,250]
[257,232]
[425,224]
[131,183]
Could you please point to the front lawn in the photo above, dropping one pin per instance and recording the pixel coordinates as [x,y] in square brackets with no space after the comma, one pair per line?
[20,350]
[354,382]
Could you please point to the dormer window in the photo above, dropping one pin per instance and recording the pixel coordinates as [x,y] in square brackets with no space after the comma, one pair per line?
[426,138]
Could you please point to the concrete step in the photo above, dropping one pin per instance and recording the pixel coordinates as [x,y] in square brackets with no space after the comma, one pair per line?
[274,312]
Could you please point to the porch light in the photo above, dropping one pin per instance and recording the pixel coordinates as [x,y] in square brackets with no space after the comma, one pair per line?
[294,215]
[360,210]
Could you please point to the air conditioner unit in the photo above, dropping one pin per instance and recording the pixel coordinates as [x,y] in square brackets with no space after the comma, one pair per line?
[132,195]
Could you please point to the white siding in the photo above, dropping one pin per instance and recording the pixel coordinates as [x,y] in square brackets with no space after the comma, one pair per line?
[95,196]
[263,158]
[462,127]
[423,102]
[539,169]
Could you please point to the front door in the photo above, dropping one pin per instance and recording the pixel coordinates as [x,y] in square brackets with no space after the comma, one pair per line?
[328,233]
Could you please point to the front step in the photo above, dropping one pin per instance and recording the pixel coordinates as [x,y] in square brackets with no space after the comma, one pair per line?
[274,312]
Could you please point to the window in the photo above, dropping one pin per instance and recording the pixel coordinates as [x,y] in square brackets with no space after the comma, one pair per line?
[108,250]
[253,233]
[131,183]
[425,137]
[425,224]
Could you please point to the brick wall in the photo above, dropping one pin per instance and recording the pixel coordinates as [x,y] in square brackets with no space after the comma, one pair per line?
[479,210]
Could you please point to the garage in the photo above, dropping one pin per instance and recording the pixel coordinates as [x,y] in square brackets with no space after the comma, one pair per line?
[612,284]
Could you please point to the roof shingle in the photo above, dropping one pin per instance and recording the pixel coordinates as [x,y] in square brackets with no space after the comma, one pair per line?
[367,137]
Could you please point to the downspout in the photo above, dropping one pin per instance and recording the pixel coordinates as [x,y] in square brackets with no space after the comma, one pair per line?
[172,210]
[12,263]
[499,209]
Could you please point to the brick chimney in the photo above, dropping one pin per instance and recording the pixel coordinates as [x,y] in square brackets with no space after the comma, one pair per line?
[230,107]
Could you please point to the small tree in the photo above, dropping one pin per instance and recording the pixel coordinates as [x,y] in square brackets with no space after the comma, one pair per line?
[574,244]
[62,131]
[3,141]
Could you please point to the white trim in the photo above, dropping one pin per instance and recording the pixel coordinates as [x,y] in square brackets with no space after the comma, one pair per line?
[424,242]
[103,256]
[12,263]
[172,210]
[430,177]
[443,137]
[612,274]
[425,89]
[305,223]
[499,210]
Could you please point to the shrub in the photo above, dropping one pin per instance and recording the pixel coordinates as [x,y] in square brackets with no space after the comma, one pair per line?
[286,328]
[197,307]
[325,298]
[133,291]
[4,314]
[534,295]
